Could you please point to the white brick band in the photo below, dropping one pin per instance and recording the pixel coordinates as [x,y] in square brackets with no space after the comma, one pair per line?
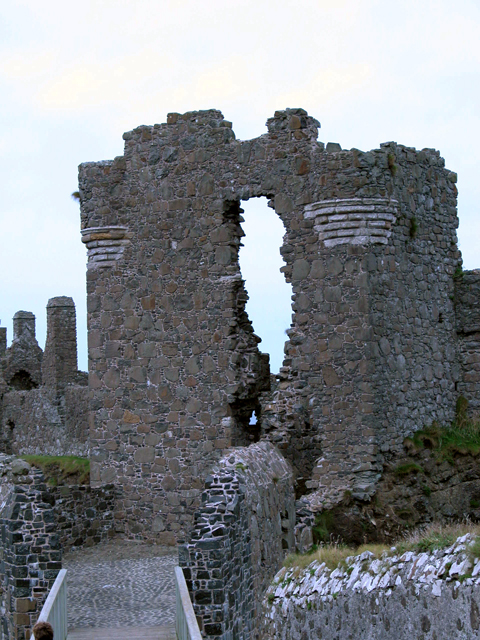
[353,220]
[105,245]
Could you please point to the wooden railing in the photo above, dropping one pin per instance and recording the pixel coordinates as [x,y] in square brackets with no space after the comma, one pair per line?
[186,622]
[54,610]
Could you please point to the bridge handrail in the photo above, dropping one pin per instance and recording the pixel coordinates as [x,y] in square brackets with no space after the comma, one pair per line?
[186,622]
[54,610]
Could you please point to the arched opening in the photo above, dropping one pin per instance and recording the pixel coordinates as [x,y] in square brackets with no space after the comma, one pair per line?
[22,381]
[269,306]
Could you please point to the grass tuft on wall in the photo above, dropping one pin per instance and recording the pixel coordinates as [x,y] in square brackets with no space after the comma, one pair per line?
[60,470]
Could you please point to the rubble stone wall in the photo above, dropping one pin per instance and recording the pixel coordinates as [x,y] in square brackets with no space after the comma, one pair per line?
[243,530]
[431,596]
[175,372]
[30,551]
[38,422]
[84,516]
[44,400]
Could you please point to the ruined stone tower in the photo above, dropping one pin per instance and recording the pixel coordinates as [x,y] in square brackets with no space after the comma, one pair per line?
[43,398]
[175,372]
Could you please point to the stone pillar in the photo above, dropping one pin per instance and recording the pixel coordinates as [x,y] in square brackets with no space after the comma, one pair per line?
[3,341]
[24,325]
[23,360]
[60,359]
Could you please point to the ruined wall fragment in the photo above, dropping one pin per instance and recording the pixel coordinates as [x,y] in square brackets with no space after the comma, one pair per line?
[370,249]
[22,367]
[243,530]
[43,397]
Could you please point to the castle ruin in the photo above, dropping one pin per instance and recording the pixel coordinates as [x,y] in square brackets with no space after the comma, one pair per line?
[385,332]
[43,396]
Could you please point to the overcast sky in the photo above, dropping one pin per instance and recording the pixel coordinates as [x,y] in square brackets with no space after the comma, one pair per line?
[75,76]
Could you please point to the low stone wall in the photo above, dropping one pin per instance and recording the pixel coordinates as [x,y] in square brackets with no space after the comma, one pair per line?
[30,552]
[38,422]
[242,532]
[84,516]
[432,596]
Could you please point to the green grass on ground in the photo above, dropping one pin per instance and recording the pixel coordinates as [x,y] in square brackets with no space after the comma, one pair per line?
[435,536]
[62,469]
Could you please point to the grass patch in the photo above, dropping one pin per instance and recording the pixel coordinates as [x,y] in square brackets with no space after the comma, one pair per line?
[333,555]
[408,468]
[62,469]
[435,536]
[462,436]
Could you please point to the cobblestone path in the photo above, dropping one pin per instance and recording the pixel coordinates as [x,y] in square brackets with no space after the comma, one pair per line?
[121,589]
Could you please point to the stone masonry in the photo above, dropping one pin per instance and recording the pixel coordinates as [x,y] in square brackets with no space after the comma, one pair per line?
[467,298]
[30,551]
[242,532]
[43,397]
[175,371]
[398,596]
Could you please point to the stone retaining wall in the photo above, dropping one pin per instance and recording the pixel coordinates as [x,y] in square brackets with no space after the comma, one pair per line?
[30,552]
[242,532]
[84,516]
[432,596]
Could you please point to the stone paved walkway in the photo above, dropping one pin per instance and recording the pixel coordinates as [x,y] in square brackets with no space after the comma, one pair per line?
[121,589]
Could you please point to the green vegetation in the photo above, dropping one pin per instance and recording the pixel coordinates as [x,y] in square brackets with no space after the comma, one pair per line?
[462,436]
[391,164]
[406,469]
[240,466]
[474,549]
[62,469]
[323,526]
[458,273]
[426,490]
[435,536]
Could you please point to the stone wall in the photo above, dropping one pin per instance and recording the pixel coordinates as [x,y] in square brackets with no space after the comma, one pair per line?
[242,532]
[84,516]
[38,422]
[467,298]
[43,397]
[30,552]
[175,372]
[433,596]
